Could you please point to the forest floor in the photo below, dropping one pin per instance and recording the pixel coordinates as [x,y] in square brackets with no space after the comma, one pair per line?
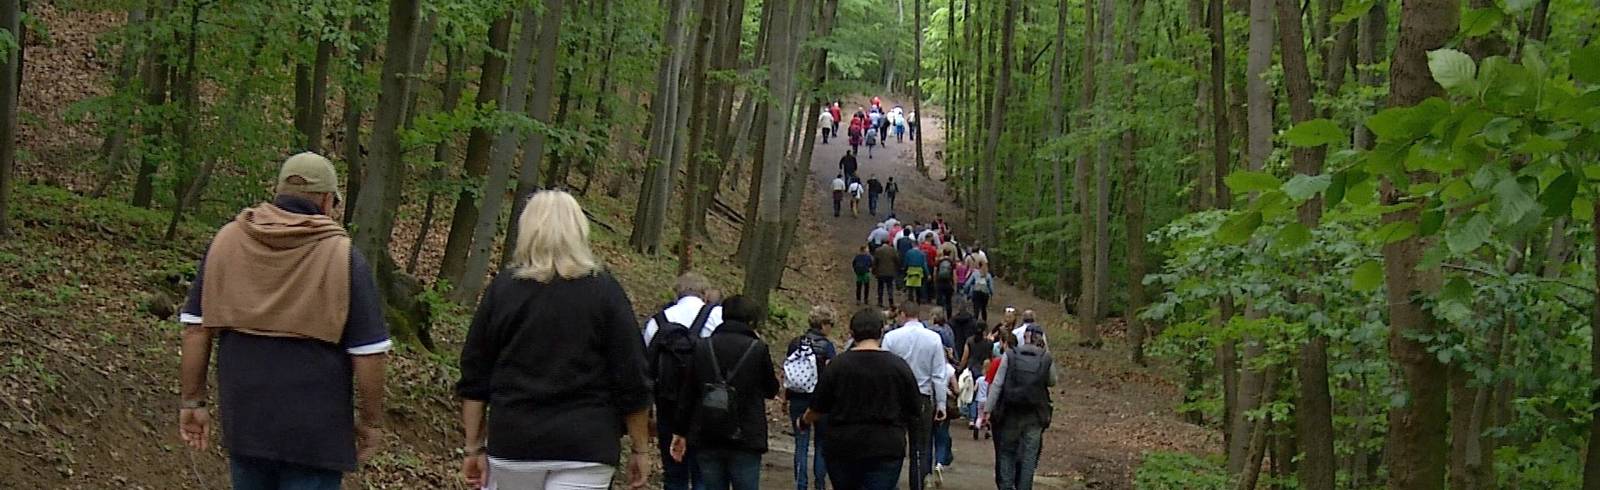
[1109,411]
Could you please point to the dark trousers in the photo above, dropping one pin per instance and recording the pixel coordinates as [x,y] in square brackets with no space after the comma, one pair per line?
[980,305]
[891,202]
[803,439]
[872,204]
[864,474]
[730,469]
[1017,441]
[675,475]
[885,286]
[264,474]
[920,451]
[838,198]
[947,296]
[863,289]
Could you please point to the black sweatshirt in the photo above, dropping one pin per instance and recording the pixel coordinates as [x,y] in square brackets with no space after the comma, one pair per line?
[868,398]
[560,365]
[753,384]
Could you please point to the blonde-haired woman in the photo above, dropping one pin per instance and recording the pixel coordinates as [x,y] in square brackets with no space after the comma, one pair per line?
[553,353]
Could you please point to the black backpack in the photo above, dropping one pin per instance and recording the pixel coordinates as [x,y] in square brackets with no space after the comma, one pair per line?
[1027,383]
[718,399]
[671,353]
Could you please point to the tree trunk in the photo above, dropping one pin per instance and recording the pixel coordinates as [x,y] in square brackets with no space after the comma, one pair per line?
[1102,174]
[1227,357]
[1417,452]
[114,149]
[454,65]
[1083,192]
[544,76]
[1314,407]
[1591,459]
[1258,433]
[480,145]
[795,180]
[311,95]
[1259,131]
[650,216]
[916,88]
[502,150]
[711,19]
[354,106]
[155,80]
[1133,196]
[762,265]
[381,187]
[10,83]
[989,227]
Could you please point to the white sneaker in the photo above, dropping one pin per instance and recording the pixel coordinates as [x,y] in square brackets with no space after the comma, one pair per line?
[938,475]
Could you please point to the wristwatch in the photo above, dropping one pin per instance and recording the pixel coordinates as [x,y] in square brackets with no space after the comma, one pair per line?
[193,404]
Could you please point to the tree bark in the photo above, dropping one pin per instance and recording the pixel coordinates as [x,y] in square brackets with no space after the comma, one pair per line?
[1227,357]
[10,83]
[650,216]
[1102,174]
[1591,459]
[762,265]
[1133,196]
[533,150]
[381,187]
[1259,130]
[1083,193]
[989,227]
[711,19]
[1417,452]
[114,149]
[354,106]
[795,180]
[1258,432]
[155,80]
[1058,128]
[1314,407]
[480,145]
[916,89]
[454,66]
[502,151]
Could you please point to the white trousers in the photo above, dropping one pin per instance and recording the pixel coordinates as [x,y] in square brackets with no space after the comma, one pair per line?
[548,475]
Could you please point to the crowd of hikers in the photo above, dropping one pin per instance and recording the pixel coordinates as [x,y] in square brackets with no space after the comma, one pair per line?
[298,326]
[871,126]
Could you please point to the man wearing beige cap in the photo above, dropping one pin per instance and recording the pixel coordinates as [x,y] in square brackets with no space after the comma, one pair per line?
[297,318]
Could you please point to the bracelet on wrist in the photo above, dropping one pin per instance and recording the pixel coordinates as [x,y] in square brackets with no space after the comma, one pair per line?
[192,404]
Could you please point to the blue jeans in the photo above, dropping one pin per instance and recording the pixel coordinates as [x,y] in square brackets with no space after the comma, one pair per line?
[1016,452]
[857,474]
[942,452]
[872,204]
[265,474]
[725,469]
[675,475]
[920,450]
[802,443]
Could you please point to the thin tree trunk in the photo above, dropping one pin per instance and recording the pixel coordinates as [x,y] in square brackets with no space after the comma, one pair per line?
[354,106]
[1227,357]
[1133,196]
[1259,131]
[114,149]
[1417,453]
[1102,174]
[987,203]
[916,80]
[763,265]
[711,19]
[454,65]
[1258,433]
[650,216]
[502,150]
[155,83]
[382,185]
[533,150]
[10,83]
[799,168]
[1058,128]
[1083,192]
[1591,459]
[480,144]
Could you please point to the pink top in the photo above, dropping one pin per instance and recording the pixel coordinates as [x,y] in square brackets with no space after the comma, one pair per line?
[961,272]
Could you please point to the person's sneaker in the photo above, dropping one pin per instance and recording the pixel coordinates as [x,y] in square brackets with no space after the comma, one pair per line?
[938,475]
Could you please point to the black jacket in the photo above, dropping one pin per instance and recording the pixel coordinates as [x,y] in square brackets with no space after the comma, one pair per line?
[559,363]
[848,164]
[753,384]
[874,187]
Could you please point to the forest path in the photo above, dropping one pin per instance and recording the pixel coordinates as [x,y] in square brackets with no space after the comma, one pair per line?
[1108,411]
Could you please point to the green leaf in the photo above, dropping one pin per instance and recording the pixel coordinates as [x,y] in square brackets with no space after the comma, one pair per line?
[1336,189]
[1586,64]
[1498,131]
[1432,220]
[1519,6]
[1353,10]
[1583,209]
[1367,277]
[1477,22]
[1451,68]
[1302,186]
[1456,289]
[1557,197]
[1316,132]
[1514,201]
[1291,236]
[1238,228]
[1470,236]
[1247,181]
[1391,232]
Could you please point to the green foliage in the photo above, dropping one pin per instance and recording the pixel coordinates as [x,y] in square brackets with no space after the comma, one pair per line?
[1174,471]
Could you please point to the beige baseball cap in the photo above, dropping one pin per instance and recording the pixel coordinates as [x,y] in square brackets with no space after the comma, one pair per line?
[315,172]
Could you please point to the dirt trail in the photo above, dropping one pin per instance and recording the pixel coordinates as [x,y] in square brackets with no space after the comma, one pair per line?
[1108,411]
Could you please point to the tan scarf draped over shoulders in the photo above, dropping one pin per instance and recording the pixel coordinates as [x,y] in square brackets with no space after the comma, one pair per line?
[276,273]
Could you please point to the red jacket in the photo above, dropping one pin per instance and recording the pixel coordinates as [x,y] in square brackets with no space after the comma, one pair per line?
[835,111]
